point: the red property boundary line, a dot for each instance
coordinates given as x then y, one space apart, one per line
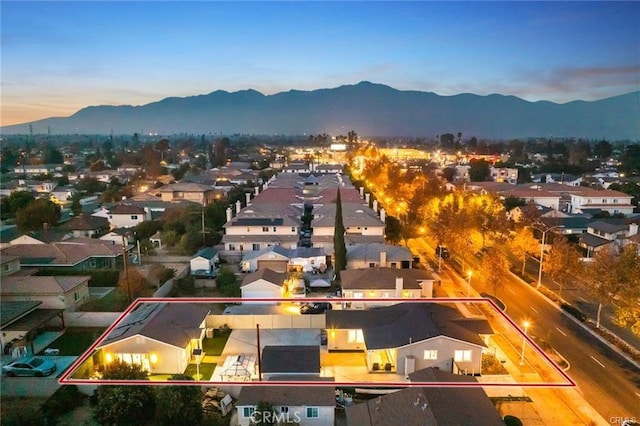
66 380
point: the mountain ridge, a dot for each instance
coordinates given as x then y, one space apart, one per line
371 109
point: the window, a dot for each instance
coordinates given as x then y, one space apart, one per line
284 409
255 246
232 247
293 229
358 294
134 217
312 413
355 336
76 296
462 356
248 411
394 265
372 265
431 354
275 229
265 229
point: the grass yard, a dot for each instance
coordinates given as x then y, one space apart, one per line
75 342
206 371
213 346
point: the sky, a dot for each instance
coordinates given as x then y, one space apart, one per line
60 56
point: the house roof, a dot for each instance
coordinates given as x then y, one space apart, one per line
86 222
590 240
609 227
61 253
295 359
288 396
353 215
185 187
403 324
126 209
266 274
8 258
11 311
372 252
41 285
207 253
171 323
427 405
382 278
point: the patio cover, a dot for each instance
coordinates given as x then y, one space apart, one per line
238 368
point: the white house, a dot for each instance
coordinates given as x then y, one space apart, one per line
125 216
407 337
264 284
284 259
205 260
535 196
606 200
378 255
305 405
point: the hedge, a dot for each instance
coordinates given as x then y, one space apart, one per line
99 277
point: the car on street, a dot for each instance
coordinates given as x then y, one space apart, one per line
33 366
442 252
315 308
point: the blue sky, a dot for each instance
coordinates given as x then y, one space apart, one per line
58 56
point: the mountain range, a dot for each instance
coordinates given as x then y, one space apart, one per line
367 108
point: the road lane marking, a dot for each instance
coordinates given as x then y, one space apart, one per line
601 364
534 309
561 332
638 394
583 299
511 291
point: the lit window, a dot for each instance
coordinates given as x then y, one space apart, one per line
431 354
462 356
312 413
355 336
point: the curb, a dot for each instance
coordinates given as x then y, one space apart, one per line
581 324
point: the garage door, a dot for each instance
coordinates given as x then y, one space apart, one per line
257 294
276 265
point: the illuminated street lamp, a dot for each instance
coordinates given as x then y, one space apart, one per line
469 273
524 341
544 236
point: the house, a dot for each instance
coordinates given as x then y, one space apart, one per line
282 259
201 194
428 405
265 283
305 405
607 200
504 174
407 337
372 283
362 224
205 262
535 196
378 255
601 234
92 254
86 225
290 362
58 292
125 216
160 337
9 265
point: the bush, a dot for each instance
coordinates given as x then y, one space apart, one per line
99 277
577 313
227 283
186 285
63 400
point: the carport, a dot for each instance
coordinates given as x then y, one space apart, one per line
29 324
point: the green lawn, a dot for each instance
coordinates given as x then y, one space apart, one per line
75 342
214 345
206 370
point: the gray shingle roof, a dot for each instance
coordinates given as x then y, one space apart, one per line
297 359
266 274
310 396
382 278
372 252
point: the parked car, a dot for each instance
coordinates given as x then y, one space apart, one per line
442 252
315 308
33 366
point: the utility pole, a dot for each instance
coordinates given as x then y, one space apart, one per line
259 358
126 271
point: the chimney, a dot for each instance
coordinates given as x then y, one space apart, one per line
248 197
229 214
633 229
383 215
367 197
238 206
256 190
375 206
361 191
399 287
383 259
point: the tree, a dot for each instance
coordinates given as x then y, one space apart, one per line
339 247
227 283
494 269
160 273
562 264
602 149
630 160
35 215
125 405
76 207
132 283
478 170
393 229
18 200
179 404
449 174
523 245
146 229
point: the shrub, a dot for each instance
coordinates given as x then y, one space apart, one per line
186 285
63 400
577 313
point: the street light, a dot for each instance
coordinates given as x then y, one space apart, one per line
469 273
544 236
524 341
